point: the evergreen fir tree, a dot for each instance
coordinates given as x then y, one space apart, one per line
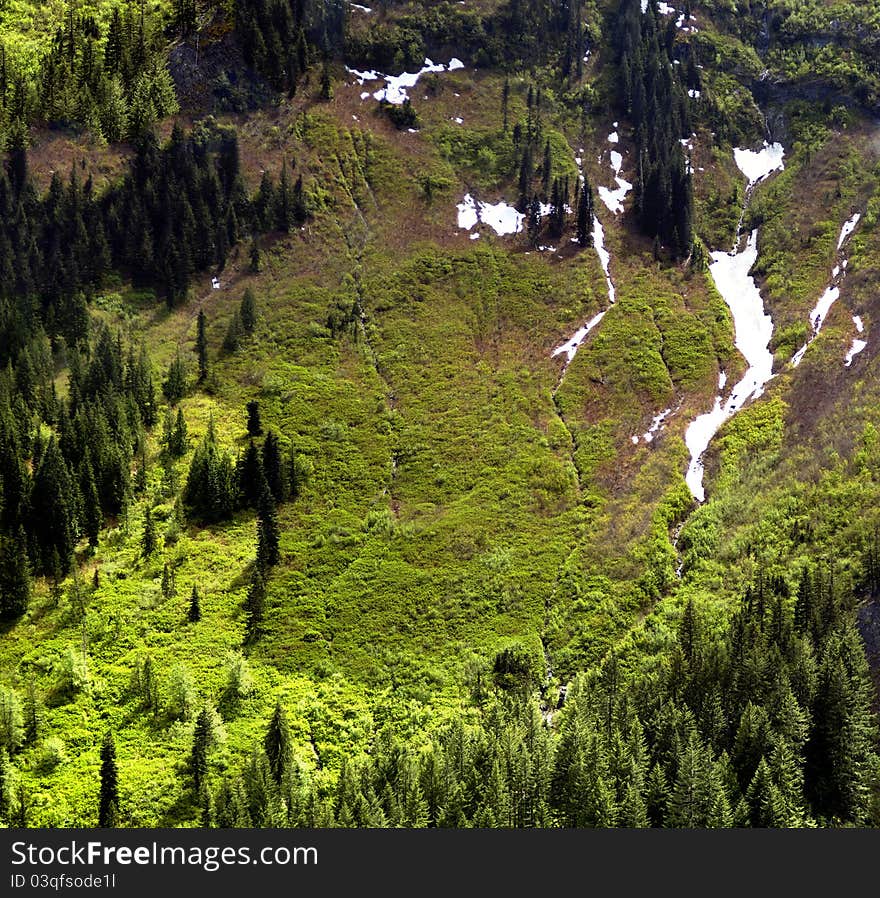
254 424
15 577
255 605
248 311
108 803
277 744
148 539
194 615
268 552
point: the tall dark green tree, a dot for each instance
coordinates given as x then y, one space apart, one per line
194 615
277 744
15 577
108 800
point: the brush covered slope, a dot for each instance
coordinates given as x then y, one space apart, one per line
439 414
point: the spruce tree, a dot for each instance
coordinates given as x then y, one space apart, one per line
268 535
194 615
15 577
148 539
201 745
248 311
255 605
254 424
273 468
277 744
108 802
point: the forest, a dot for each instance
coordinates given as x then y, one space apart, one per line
311 518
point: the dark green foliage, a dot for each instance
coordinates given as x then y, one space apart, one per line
232 340
255 605
402 115
148 537
268 534
250 476
248 311
202 740
108 801
585 213
15 577
652 93
53 501
273 469
254 424
277 745
194 614
513 669
174 385
210 491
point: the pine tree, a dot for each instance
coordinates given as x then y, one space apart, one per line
108 803
174 385
254 255
585 214
254 424
232 340
268 551
194 615
255 605
32 717
273 469
202 737
277 744
248 311
148 539
15 577
202 346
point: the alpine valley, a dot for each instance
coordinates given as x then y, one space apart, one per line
443 413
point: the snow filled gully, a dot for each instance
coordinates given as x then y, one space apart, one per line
752 325
830 296
571 346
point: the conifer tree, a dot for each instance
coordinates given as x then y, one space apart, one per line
277 744
108 802
202 737
148 539
248 311
585 214
273 468
268 552
194 615
15 577
255 605
254 424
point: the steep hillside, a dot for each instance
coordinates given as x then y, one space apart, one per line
568 344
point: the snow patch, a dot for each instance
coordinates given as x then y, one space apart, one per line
571 346
616 161
656 424
502 218
757 165
396 86
613 137
613 199
753 328
848 228
854 350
